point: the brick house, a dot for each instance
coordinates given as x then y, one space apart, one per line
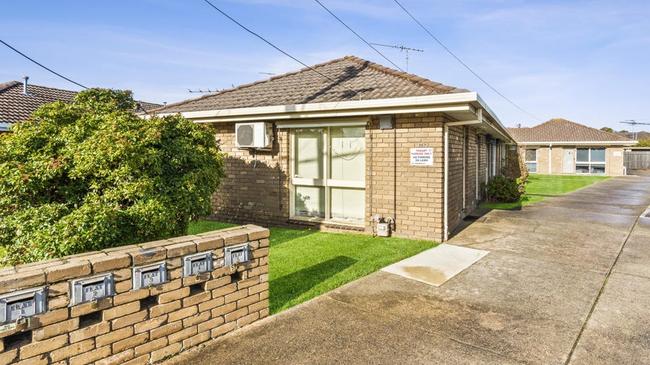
366 143
559 146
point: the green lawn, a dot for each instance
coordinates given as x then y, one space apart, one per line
542 186
306 263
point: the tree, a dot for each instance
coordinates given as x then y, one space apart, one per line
643 143
607 129
92 174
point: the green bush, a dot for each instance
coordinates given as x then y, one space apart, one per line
92 174
505 190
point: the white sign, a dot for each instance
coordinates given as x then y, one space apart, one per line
421 156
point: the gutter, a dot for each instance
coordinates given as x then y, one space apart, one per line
581 143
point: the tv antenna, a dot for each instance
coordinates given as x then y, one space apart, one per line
267 73
635 134
201 91
402 48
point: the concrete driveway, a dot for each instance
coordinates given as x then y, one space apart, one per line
567 281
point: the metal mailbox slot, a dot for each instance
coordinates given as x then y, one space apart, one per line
149 275
234 255
91 289
23 304
197 264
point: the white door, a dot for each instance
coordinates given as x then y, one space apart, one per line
569 162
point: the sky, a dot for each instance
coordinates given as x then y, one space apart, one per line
585 61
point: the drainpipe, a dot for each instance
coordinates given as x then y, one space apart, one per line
550 159
445 178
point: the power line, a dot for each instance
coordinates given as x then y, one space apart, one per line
358 35
273 45
463 63
41 65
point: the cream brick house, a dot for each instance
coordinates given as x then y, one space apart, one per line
560 146
364 143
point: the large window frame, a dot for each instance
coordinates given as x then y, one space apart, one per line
325 180
592 164
530 162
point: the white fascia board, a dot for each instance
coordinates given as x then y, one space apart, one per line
586 143
397 103
336 114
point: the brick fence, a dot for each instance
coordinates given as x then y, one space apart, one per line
134 304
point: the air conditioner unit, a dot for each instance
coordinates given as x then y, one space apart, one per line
257 135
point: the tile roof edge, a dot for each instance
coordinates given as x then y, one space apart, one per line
431 85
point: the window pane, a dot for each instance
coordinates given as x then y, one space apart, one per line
348 204
532 166
582 169
531 155
597 155
348 159
597 169
582 155
310 201
308 153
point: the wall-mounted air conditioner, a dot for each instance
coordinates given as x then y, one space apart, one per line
254 135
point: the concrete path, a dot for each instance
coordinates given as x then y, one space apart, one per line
567 281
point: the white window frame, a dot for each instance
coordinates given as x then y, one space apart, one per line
325 182
526 161
591 163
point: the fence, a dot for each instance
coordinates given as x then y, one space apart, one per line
134 304
637 160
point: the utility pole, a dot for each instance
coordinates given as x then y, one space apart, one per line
402 48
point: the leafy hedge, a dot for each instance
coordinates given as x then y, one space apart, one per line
92 174
505 190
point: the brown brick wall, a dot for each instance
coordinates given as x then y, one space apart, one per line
256 186
144 325
412 195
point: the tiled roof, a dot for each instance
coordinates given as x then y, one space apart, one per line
353 79
16 106
562 130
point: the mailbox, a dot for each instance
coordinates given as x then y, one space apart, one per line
22 304
149 275
234 255
197 264
91 289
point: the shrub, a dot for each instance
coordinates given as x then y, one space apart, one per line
504 189
92 174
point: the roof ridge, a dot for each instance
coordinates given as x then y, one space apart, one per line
7 85
585 126
432 85
243 86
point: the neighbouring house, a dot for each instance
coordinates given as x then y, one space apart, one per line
560 146
350 143
18 100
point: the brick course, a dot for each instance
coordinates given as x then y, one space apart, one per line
145 325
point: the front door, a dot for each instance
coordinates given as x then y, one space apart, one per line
569 162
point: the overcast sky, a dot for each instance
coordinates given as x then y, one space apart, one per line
586 61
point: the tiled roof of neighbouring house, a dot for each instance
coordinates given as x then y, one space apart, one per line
16 106
352 78
562 130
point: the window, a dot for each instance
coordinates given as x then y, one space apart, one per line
590 160
329 174
531 160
